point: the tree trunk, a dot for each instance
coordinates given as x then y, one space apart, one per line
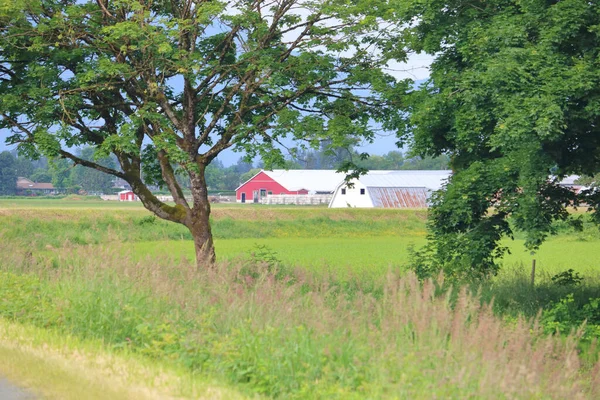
199 223
195 218
202 234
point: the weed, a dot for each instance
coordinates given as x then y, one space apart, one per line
147 220
567 278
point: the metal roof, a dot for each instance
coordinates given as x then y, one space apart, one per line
393 197
569 180
318 180
432 180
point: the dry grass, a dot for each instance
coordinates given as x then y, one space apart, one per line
244 213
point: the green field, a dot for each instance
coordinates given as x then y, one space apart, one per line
345 240
304 303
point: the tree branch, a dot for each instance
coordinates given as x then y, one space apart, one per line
170 179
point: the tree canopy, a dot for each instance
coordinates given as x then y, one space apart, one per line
8 174
162 84
91 180
514 100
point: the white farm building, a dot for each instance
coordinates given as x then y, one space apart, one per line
389 189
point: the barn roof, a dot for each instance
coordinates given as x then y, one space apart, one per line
432 180
569 180
396 197
318 180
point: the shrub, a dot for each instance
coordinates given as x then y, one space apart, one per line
567 278
566 316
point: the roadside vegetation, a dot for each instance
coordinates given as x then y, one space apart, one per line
260 325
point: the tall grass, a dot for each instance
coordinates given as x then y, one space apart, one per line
512 292
290 334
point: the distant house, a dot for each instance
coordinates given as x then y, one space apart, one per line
389 189
127 195
290 182
28 187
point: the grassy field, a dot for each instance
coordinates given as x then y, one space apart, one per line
305 303
311 237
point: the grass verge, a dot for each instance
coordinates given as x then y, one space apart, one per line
55 365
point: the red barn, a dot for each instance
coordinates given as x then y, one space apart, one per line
127 195
292 182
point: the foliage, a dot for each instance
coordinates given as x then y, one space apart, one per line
263 254
325 158
168 85
41 175
91 180
73 177
566 315
248 175
590 180
25 167
567 278
60 169
514 100
8 174
392 160
396 160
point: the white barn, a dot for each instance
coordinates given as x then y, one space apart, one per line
389 189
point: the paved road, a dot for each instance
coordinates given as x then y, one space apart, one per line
9 391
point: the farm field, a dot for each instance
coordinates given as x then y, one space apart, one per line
311 237
304 303
382 253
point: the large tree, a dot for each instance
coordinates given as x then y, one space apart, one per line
174 83
8 174
514 99
24 166
92 180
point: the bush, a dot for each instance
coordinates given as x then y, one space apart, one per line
566 316
567 278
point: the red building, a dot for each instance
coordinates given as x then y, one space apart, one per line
127 195
292 182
